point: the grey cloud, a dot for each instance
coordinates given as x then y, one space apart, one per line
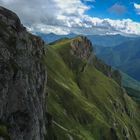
118 9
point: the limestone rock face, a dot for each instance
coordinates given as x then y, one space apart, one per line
81 47
22 80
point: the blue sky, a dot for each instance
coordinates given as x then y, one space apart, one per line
100 9
78 16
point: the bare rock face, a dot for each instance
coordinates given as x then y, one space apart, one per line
22 80
81 47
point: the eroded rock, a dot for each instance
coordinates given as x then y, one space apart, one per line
22 80
81 47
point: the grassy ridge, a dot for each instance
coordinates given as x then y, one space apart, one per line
86 104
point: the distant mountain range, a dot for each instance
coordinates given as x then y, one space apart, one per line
125 57
48 38
109 40
98 40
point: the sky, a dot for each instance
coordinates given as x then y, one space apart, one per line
78 16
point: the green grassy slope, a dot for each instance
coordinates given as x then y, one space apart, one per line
132 86
128 81
124 57
135 94
86 104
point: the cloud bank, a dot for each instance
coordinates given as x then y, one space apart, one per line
63 17
118 9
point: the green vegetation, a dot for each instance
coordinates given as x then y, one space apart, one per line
135 94
128 81
124 57
86 104
132 87
3 132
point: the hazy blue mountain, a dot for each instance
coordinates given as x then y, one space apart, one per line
53 37
128 81
132 86
108 40
97 40
125 56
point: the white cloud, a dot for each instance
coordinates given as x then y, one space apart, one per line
137 7
65 16
42 28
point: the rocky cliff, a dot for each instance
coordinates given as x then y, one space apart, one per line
22 81
82 48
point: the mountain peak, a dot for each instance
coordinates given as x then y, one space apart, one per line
81 47
22 81
9 18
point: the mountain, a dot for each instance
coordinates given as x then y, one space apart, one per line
97 40
59 91
53 37
85 97
125 57
22 81
109 40
128 81
135 94
132 86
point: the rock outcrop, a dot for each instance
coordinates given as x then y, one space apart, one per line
22 80
81 47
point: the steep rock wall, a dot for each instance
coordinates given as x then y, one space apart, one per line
22 80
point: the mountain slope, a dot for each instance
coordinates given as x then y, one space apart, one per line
85 101
109 40
124 57
132 86
128 81
134 93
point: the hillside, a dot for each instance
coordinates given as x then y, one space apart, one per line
118 51
85 98
124 57
134 93
109 40
132 86
128 81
